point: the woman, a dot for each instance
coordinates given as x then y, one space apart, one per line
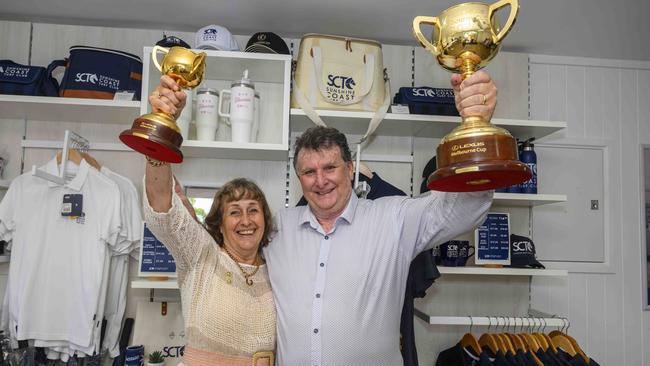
225 290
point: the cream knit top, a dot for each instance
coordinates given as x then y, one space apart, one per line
222 313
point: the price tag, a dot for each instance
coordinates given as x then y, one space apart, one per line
399 108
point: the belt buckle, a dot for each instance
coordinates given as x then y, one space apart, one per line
262 355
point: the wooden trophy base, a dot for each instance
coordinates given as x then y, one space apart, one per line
477 158
156 136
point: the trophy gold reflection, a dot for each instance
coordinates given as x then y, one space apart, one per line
476 155
156 134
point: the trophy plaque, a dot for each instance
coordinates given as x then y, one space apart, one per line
156 134
476 155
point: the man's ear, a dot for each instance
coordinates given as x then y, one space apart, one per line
350 167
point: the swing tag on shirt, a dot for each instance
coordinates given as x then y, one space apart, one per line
72 206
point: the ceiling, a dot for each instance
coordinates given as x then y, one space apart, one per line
583 28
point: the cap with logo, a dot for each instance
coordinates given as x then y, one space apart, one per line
267 42
172 41
522 253
215 37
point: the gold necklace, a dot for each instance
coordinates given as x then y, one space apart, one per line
246 275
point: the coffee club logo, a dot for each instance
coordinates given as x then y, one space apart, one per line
340 88
99 80
210 34
12 71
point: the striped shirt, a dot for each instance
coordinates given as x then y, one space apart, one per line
339 295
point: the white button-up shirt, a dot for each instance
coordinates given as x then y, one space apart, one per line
339 295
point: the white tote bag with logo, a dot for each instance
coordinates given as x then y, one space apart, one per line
159 326
340 73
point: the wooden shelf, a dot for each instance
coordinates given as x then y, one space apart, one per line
416 124
482 271
191 148
68 109
527 200
170 284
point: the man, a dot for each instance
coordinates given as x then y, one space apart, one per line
339 266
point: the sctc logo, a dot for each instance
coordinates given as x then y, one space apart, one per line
173 351
522 246
86 78
210 31
423 92
341 82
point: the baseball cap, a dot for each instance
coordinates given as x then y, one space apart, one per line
426 172
522 253
267 42
215 37
172 41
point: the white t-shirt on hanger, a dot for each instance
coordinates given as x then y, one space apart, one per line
55 275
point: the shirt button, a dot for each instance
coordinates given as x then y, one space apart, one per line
316 330
322 264
318 296
327 237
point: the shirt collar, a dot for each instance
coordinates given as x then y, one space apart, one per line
307 216
76 183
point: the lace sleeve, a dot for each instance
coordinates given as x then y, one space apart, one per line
183 236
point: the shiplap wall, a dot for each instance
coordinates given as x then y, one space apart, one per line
463 295
602 100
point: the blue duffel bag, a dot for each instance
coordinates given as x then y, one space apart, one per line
93 72
427 100
20 79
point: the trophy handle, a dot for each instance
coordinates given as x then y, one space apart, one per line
514 10
198 62
154 55
433 21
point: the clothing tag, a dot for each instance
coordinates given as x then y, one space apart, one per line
72 205
399 108
124 95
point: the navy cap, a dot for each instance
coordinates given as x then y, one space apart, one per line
172 41
426 172
267 42
522 253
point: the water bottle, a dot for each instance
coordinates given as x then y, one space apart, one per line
529 158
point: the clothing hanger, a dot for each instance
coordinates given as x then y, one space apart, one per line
532 343
546 336
514 338
469 341
90 160
73 155
506 340
560 341
488 340
539 338
574 343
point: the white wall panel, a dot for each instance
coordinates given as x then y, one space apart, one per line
14 42
604 100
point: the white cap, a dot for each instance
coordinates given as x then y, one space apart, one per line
215 37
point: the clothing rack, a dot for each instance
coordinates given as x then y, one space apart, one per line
498 321
71 140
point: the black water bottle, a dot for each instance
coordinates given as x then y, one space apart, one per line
528 157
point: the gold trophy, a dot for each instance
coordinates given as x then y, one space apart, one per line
476 155
156 134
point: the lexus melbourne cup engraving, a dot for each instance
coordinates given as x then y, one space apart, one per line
156 134
476 155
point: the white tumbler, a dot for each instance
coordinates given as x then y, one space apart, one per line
256 118
184 119
207 119
242 108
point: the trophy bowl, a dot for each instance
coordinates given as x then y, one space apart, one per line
156 134
476 155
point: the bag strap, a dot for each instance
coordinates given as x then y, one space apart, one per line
369 62
376 119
